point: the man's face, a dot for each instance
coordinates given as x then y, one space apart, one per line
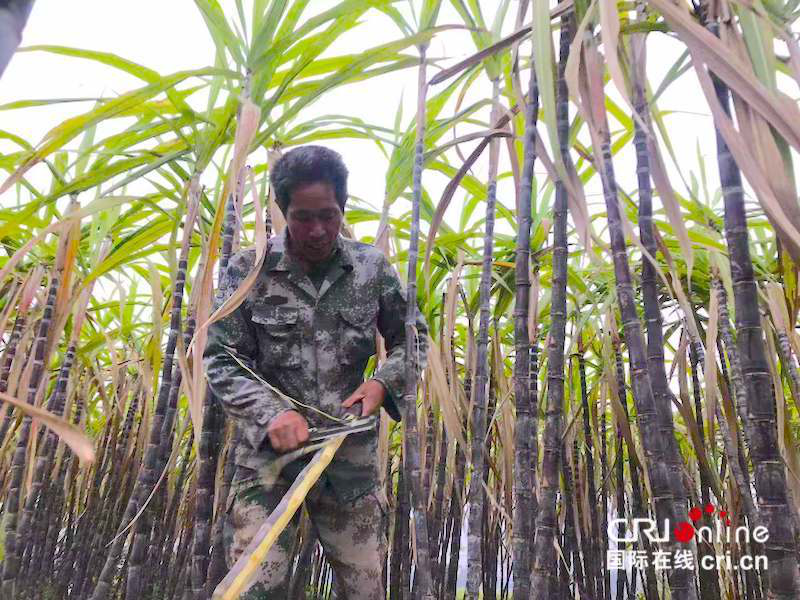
314 220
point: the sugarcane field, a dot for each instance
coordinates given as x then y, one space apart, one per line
399 299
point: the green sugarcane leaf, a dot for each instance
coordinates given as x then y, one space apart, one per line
220 30
545 75
106 58
760 45
347 74
141 240
265 28
399 20
429 14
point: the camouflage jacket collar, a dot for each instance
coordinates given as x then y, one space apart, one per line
280 260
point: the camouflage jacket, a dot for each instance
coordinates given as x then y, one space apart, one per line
313 346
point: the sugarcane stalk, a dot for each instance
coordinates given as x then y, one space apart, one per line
46 449
652 308
242 573
456 516
411 458
150 464
654 442
437 511
533 398
5 371
592 553
20 323
544 555
637 504
755 383
14 497
709 586
622 576
154 459
525 426
488 541
656 365
476 496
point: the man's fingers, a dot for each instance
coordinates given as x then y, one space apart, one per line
302 433
282 440
293 437
354 397
288 441
369 406
288 431
275 441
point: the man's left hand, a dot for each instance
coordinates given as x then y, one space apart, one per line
371 394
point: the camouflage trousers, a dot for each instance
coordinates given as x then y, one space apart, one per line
352 534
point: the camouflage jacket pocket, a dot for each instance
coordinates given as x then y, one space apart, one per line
278 335
357 333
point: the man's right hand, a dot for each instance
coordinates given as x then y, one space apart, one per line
287 431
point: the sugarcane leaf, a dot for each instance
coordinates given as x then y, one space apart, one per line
107 58
220 30
778 110
71 435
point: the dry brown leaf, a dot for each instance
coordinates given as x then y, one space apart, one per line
747 162
705 48
666 193
710 367
233 302
758 137
448 403
71 435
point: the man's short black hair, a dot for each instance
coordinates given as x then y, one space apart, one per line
308 164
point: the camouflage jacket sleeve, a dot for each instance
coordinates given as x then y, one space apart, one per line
231 358
391 324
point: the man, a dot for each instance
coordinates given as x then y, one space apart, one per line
307 328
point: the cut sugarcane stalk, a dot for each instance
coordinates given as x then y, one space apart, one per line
246 567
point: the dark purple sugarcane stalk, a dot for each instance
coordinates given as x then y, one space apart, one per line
49 441
116 491
400 539
44 456
13 545
622 576
593 553
411 458
437 511
478 452
533 397
637 503
525 430
760 418
151 465
654 442
209 443
154 460
543 584
656 364
20 322
456 517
